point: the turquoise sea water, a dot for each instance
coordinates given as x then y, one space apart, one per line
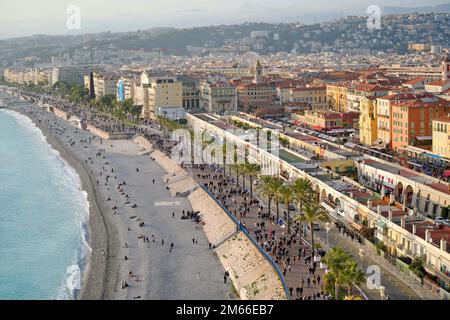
43 214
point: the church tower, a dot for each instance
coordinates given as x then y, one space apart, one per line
446 67
258 73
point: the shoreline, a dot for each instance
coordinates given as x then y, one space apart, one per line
117 248
96 268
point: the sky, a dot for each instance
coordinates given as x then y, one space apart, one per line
28 17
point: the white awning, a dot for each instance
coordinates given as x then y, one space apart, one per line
414 149
422 138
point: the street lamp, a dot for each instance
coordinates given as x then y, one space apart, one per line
328 228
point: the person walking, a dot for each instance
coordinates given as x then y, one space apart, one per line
171 247
225 276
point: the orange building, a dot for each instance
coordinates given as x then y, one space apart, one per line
412 120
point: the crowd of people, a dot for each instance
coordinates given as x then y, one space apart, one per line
299 264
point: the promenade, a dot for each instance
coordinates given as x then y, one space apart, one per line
142 220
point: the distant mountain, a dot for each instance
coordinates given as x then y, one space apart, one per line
442 8
340 34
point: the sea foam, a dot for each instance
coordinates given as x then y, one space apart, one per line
67 179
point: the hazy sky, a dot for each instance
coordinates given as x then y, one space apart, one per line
28 17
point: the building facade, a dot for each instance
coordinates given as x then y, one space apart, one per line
163 95
316 97
368 130
70 74
218 97
441 137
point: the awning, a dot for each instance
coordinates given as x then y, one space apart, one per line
333 139
423 138
414 150
431 155
382 224
337 131
318 128
350 145
356 226
379 143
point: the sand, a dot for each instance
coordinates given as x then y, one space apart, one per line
160 274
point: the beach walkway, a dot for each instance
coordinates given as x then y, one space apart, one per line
144 219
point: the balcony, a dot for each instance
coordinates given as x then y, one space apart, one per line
435 272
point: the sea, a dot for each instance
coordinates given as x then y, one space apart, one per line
43 216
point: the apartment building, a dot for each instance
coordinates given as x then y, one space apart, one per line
321 120
438 86
441 136
103 84
412 120
337 96
357 93
163 95
429 72
218 97
70 74
283 90
315 96
368 130
191 92
35 76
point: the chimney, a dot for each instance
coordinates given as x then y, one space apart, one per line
403 222
378 209
369 204
443 245
414 230
391 198
427 235
390 214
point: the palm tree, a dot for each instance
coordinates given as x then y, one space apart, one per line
224 155
287 195
252 170
312 213
302 190
336 259
267 189
242 169
351 275
277 194
236 167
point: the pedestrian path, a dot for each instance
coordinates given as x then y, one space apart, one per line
287 250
